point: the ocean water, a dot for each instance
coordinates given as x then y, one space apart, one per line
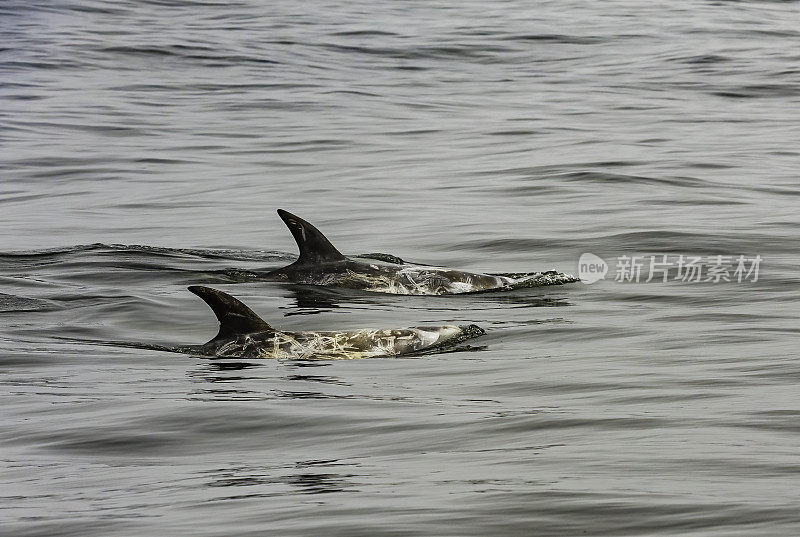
145 146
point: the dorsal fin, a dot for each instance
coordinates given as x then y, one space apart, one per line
234 317
314 246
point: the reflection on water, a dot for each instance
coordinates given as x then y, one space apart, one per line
269 385
227 365
310 300
318 378
262 481
291 364
315 483
231 394
298 394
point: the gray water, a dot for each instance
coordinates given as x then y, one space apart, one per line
500 136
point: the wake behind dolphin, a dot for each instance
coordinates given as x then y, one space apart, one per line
320 263
243 334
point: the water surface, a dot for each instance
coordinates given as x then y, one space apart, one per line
499 137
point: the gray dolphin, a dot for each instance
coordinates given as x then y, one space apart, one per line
243 334
320 263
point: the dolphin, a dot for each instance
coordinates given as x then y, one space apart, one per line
243 334
320 263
